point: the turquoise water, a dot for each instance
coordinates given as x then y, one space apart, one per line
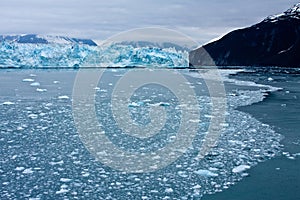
278 178
45 158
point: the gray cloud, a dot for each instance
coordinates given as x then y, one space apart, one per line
98 19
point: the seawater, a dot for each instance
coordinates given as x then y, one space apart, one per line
44 158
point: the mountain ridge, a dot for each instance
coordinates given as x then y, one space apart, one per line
45 39
275 41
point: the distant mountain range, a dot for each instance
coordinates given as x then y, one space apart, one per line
162 45
40 39
37 39
273 42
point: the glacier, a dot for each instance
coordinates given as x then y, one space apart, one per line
76 55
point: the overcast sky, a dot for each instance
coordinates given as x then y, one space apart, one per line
203 20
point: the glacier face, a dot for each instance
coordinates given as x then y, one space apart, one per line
56 55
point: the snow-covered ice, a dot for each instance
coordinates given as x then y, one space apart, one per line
206 173
63 97
41 90
35 84
8 103
240 168
28 80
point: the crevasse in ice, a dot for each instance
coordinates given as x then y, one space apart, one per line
16 55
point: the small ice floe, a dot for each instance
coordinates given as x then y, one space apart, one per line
62 191
56 82
118 183
63 97
28 80
56 163
20 168
169 190
103 90
7 103
245 174
206 173
65 180
27 171
270 79
20 128
289 156
135 104
41 90
183 174
33 116
35 84
196 187
32 75
162 104
195 120
296 154
240 168
85 174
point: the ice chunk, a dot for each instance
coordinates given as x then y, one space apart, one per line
8 103
196 187
63 97
61 191
27 171
65 180
164 104
28 80
33 116
240 168
206 173
35 84
169 190
41 90
20 168
296 154
20 128
136 104
85 174
57 163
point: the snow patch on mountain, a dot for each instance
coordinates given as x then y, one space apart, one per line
44 39
293 12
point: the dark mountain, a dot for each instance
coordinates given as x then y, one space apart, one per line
37 39
273 42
